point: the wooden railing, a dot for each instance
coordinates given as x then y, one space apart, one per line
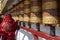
40 34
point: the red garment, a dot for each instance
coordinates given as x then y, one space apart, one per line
8 26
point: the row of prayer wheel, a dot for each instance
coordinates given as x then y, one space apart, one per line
38 11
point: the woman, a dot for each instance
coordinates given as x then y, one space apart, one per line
8 26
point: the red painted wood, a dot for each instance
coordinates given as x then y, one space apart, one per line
36 34
35 37
56 38
40 34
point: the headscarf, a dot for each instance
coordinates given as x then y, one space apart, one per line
8 18
7 22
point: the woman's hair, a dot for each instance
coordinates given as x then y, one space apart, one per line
8 14
8 18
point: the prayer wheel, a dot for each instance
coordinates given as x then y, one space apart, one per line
26 10
14 16
35 11
49 8
13 11
21 12
50 18
17 10
27 6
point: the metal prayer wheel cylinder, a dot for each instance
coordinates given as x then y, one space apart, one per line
18 9
49 8
21 12
26 10
36 14
26 18
17 12
15 18
20 17
21 8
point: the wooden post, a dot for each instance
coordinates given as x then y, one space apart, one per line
38 26
29 24
52 30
